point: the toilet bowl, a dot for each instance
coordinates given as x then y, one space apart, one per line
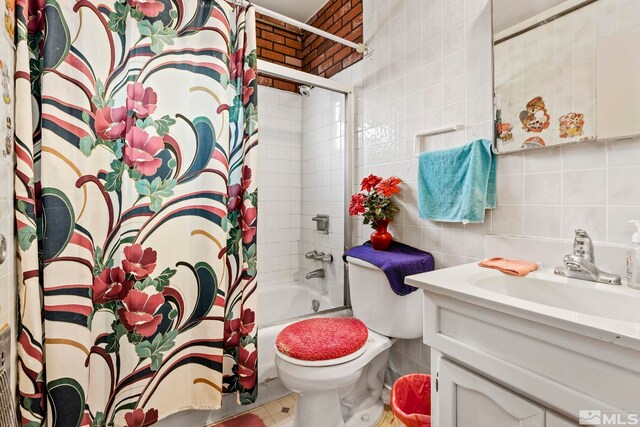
347 391
332 391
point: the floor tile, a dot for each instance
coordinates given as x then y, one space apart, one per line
274 408
280 413
288 401
261 412
282 418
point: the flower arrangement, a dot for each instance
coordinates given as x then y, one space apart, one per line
374 202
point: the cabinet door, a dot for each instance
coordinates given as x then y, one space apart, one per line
468 400
554 420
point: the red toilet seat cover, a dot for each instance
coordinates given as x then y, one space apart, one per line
322 338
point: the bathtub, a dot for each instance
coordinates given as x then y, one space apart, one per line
278 306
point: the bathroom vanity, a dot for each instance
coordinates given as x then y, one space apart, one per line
528 351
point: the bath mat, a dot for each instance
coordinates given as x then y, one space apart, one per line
244 420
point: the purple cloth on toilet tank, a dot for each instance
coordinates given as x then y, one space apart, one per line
397 263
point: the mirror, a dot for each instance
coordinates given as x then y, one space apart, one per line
565 71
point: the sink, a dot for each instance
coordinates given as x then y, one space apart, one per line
564 344
605 312
580 296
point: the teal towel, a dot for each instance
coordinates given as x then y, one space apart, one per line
458 184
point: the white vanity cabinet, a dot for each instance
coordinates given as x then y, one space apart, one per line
469 400
527 352
554 420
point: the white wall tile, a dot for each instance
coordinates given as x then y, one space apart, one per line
542 221
591 218
544 193
542 161
622 185
542 188
508 219
280 157
510 190
584 187
623 153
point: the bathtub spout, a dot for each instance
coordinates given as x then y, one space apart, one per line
316 274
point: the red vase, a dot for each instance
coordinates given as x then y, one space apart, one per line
381 238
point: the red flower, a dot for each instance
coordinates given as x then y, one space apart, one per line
231 333
356 207
247 368
249 216
236 64
248 321
111 123
235 197
247 89
138 418
150 8
140 149
110 285
36 15
139 312
245 180
388 187
140 100
139 262
370 182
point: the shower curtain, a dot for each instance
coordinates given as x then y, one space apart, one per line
136 204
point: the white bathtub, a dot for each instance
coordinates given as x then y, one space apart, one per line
276 305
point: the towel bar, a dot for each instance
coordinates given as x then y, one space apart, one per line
446 129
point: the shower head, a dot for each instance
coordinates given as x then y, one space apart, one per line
305 90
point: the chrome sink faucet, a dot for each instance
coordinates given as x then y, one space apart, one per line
582 263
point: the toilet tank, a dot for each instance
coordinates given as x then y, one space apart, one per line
382 310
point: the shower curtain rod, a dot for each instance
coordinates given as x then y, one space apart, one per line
360 47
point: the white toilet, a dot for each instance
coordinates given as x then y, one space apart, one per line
347 391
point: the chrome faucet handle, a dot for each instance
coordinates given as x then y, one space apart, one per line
581 263
583 245
319 255
311 255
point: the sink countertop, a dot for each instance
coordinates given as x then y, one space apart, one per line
605 312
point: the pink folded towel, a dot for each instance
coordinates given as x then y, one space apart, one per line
514 267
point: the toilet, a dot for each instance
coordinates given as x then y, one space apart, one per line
347 390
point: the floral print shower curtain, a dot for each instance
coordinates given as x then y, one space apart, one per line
136 204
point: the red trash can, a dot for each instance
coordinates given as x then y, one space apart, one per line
411 400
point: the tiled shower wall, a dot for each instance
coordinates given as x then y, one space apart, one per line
323 145
431 66
301 175
280 186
